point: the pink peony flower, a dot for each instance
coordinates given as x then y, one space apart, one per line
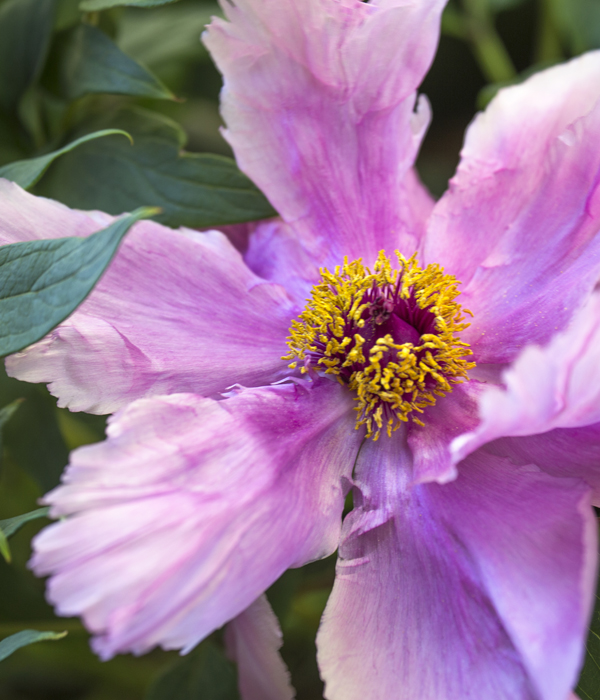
467 566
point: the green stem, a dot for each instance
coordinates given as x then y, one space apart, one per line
493 58
548 47
490 52
454 24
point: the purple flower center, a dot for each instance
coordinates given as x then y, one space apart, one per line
389 335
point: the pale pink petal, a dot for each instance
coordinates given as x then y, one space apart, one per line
475 589
192 508
319 99
556 386
519 223
253 640
25 217
175 311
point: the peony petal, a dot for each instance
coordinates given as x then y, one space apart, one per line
519 223
557 386
319 102
564 452
239 234
473 589
192 508
253 640
444 421
279 253
176 311
25 217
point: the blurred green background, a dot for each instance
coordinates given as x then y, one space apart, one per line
53 89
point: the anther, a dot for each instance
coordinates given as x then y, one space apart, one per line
390 335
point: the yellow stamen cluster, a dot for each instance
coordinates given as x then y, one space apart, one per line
391 379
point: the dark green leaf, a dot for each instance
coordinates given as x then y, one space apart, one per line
9 526
93 63
204 674
22 639
27 172
193 190
43 281
91 5
589 681
25 30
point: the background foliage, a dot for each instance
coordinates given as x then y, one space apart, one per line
76 78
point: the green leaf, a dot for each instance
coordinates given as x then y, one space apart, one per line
22 639
589 681
93 63
9 526
27 172
25 30
193 190
92 5
204 674
43 281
